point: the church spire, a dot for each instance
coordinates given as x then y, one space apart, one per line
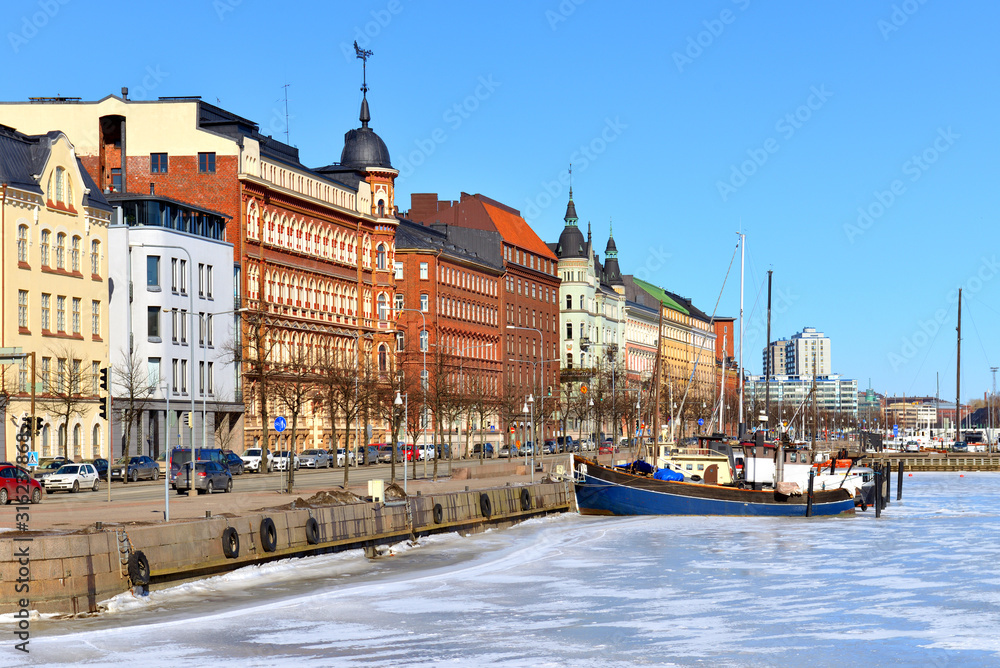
571 217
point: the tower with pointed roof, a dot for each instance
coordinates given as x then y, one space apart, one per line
612 273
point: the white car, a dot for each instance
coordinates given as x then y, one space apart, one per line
316 459
341 454
280 461
426 452
73 478
251 460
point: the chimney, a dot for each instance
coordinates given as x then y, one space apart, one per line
124 92
152 188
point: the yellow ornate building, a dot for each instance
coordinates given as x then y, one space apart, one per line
54 294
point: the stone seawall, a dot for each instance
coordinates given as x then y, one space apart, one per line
73 573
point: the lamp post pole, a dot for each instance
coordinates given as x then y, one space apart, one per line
166 458
534 440
524 432
190 289
423 386
405 401
541 345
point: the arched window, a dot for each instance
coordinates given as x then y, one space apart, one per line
383 358
60 251
77 440
46 442
569 302
423 341
22 243
569 360
95 257
380 257
74 254
59 184
381 208
45 248
581 302
383 307
62 439
95 441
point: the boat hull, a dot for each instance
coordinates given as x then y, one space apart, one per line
604 491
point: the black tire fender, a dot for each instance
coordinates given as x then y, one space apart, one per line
231 543
268 535
438 513
525 499
312 531
485 505
138 568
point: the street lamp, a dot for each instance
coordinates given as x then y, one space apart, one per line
593 431
534 444
525 431
405 402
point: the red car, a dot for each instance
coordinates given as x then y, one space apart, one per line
17 485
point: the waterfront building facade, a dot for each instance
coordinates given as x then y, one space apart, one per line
836 399
313 249
55 295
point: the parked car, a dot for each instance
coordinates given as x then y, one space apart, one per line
528 449
342 453
17 485
281 458
135 468
607 448
101 465
426 451
912 446
409 451
47 467
508 451
443 450
550 447
485 448
209 477
368 455
73 478
235 463
960 446
316 458
385 453
251 460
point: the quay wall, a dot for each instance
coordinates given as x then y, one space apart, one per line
933 461
72 573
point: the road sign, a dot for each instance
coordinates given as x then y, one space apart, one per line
583 389
701 422
33 459
280 424
895 430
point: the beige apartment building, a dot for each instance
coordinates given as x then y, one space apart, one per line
54 295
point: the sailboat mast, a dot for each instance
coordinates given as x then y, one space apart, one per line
958 374
659 367
767 353
722 389
741 428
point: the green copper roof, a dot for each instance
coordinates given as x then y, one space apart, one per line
661 294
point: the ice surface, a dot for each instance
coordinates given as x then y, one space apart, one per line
917 587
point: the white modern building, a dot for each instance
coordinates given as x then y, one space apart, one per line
806 353
169 261
834 395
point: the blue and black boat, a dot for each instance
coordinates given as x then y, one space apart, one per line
603 490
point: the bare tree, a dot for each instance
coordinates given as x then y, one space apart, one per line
66 392
338 387
293 390
256 351
131 380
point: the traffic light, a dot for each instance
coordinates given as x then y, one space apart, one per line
26 423
105 409
104 379
190 419
38 426
549 391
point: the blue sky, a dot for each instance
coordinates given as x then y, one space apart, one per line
684 121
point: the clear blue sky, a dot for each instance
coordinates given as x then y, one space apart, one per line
670 98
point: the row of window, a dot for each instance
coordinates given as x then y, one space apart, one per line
46 304
77 445
539 292
179 276
58 252
159 163
517 256
179 326
317 239
59 189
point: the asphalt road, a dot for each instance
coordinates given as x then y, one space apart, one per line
147 490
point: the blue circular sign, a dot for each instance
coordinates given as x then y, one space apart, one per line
280 424
701 422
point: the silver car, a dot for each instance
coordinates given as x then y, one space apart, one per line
73 478
316 458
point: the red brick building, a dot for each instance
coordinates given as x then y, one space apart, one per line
529 294
448 303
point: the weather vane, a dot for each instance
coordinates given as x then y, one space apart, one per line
364 55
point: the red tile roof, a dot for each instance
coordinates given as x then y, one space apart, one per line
516 231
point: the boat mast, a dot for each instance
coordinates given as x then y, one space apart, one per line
767 355
958 373
656 400
741 428
722 389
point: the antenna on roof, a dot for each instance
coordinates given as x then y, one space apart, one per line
286 112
